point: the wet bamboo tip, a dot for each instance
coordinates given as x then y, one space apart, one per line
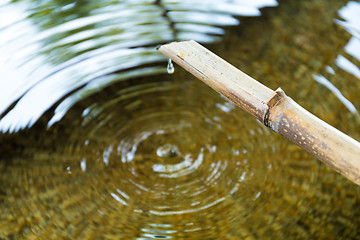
273 108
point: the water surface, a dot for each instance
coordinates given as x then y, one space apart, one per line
164 156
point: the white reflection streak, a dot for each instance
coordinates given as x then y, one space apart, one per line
257 195
193 229
117 198
188 210
106 155
242 177
330 70
128 156
83 164
351 14
13 83
234 189
322 80
139 185
348 66
122 193
226 107
160 225
158 231
353 47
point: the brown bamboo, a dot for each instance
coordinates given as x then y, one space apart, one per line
273 108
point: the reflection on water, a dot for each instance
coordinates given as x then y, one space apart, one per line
165 157
66 50
351 15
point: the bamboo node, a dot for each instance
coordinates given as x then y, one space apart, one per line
273 101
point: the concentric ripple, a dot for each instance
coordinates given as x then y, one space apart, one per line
158 160
175 147
161 159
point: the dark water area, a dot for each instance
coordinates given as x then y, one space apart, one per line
116 148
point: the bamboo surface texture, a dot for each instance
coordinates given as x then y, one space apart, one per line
273 108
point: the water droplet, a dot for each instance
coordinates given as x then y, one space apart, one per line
83 165
170 67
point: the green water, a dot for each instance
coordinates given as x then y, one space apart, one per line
165 157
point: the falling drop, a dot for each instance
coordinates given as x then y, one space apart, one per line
170 67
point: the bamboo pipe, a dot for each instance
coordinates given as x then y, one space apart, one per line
273 108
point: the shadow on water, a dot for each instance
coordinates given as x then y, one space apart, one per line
119 149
